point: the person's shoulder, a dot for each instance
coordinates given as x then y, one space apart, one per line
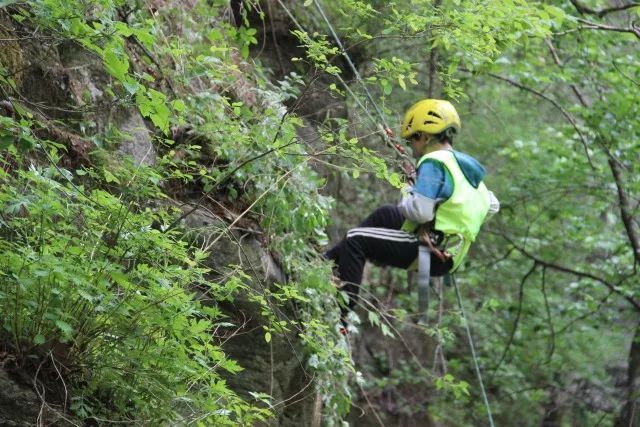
471 167
430 166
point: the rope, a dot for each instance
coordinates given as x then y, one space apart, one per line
388 133
385 132
351 65
473 352
346 86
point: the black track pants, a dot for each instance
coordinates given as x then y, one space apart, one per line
378 239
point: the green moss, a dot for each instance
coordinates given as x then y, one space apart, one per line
11 59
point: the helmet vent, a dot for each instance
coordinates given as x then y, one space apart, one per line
430 122
434 114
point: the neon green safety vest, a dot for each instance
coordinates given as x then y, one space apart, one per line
463 213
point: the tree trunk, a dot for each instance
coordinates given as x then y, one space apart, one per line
630 414
552 411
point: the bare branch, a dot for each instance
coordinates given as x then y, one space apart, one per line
590 25
607 10
552 333
585 315
613 288
555 103
625 211
623 198
602 12
560 64
433 60
517 321
623 74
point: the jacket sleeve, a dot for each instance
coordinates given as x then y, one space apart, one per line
432 186
417 208
494 205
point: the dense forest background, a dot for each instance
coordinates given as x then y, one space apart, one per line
171 172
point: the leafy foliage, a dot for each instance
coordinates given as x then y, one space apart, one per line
87 280
123 297
99 280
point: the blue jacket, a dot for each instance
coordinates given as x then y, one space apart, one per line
434 185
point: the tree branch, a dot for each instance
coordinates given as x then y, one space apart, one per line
625 211
552 333
433 60
225 178
590 25
611 9
571 271
555 103
560 64
585 315
517 321
623 198
623 74
582 9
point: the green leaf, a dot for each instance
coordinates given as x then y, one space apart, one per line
131 86
6 141
66 328
145 37
109 177
179 105
267 336
374 319
115 62
385 330
401 83
122 28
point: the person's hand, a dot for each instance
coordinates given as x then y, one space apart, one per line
409 171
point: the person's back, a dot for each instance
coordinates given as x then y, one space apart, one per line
463 200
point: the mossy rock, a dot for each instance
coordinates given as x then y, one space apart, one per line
11 59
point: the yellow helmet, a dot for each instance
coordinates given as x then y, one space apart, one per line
431 116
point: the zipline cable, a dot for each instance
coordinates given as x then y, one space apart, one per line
473 351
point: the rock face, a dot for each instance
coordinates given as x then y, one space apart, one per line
137 141
69 83
19 406
275 367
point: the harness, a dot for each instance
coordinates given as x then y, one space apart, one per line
426 248
458 217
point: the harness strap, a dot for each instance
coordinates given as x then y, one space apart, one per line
424 275
432 248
